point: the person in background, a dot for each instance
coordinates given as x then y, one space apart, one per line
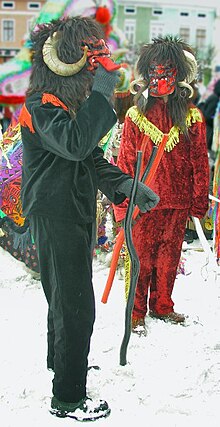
68 110
163 107
208 108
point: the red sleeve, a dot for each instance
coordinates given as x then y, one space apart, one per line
126 161
200 165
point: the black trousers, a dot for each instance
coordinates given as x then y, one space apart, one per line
65 257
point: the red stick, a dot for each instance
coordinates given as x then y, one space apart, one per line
120 237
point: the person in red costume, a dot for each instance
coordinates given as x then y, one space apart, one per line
162 106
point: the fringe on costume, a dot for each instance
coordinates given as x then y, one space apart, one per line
155 134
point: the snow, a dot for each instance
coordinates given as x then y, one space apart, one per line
171 378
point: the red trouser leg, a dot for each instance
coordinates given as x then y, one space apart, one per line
141 295
143 239
158 238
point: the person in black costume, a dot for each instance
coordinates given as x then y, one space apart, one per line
208 108
68 110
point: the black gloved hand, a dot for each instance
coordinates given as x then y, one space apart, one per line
145 198
105 81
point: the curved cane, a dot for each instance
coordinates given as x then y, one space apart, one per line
120 238
135 263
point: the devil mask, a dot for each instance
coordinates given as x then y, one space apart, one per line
165 65
162 79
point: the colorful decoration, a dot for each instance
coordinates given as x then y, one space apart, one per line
10 176
215 205
15 235
103 15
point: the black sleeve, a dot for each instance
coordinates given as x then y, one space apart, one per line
209 107
73 139
109 177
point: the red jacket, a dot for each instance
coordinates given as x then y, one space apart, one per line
182 177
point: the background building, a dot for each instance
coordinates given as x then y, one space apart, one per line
198 23
15 20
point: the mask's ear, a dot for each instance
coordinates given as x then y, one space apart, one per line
190 58
137 82
191 61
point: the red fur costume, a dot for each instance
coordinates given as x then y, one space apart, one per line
181 181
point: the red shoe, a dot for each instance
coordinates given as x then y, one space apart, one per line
171 317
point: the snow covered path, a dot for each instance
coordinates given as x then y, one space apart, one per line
172 377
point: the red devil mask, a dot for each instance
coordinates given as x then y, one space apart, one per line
162 79
96 49
99 53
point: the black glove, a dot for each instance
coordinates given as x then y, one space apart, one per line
145 198
105 81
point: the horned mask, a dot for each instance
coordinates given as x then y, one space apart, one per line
93 48
51 59
162 78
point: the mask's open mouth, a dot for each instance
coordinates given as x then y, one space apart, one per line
162 80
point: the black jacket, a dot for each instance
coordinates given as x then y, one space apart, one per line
208 108
62 165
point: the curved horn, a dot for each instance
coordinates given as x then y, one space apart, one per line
191 61
53 62
139 82
190 58
187 85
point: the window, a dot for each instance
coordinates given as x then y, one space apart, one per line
184 33
129 30
29 25
8 30
201 15
157 12
130 10
34 6
200 37
8 4
184 14
156 29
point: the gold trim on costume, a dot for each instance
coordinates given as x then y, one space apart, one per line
155 134
127 267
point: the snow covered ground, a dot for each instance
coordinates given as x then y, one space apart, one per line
172 376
